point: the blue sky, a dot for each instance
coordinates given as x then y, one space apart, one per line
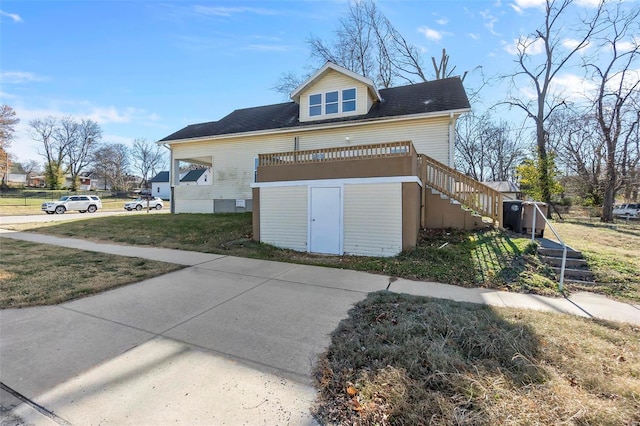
144 69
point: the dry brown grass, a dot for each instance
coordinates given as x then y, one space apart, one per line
38 274
612 252
403 360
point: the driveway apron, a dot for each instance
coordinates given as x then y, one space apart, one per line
195 346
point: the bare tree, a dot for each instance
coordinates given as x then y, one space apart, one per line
8 121
539 75
147 158
616 103
367 43
67 146
111 163
574 137
76 139
43 130
30 168
485 150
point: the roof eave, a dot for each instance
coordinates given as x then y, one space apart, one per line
295 95
283 130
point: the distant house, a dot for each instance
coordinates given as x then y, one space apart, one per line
196 177
37 181
160 185
84 182
17 179
509 190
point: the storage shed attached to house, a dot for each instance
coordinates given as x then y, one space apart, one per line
356 200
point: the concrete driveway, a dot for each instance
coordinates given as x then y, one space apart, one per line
227 341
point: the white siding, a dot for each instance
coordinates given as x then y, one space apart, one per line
161 189
193 199
429 136
373 219
233 159
330 82
284 217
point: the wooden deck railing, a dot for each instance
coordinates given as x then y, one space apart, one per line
382 150
457 186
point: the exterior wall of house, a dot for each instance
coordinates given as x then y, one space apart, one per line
233 163
193 199
380 217
161 189
373 219
331 82
284 216
429 136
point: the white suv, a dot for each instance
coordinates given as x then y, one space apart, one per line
628 211
82 203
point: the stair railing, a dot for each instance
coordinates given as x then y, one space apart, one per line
460 187
564 246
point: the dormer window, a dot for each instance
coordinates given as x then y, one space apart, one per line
331 106
315 105
348 100
336 102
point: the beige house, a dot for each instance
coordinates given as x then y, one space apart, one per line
365 162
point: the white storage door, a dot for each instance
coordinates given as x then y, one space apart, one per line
325 220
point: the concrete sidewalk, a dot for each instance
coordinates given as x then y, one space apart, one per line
226 340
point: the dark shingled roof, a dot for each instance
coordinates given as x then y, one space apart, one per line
193 175
161 177
431 96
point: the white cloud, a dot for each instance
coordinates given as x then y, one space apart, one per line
527 4
110 118
14 16
228 11
628 46
442 21
523 44
430 34
570 43
489 21
588 3
18 77
474 36
267 47
572 87
516 8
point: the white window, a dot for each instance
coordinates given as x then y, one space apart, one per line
336 102
349 100
315 105
331 103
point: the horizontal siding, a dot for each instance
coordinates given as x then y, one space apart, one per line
233 161
193 199
193 206
429 136
284 217
330 82
373 219
233 158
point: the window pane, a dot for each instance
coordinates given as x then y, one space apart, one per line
315 110
315 99
331 109
331 97
349 94
348 106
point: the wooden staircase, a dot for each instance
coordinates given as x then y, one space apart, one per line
474 200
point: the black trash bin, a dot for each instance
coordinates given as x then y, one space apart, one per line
512 215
